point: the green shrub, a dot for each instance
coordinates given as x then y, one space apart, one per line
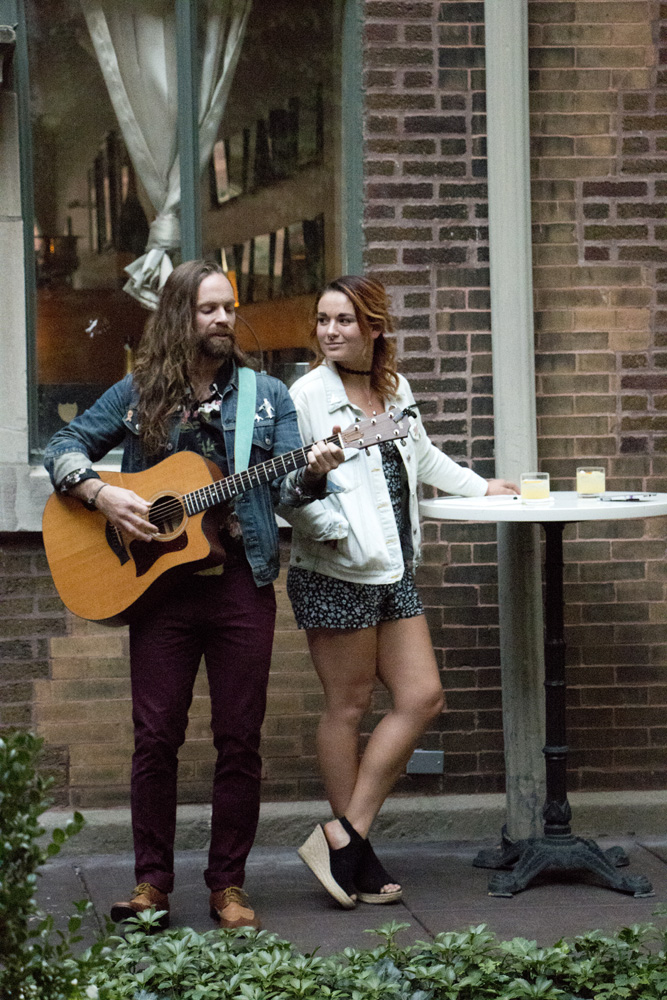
473 965
35 960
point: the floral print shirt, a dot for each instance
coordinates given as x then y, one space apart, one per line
200 430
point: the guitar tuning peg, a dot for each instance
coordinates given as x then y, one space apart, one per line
402 442
367 450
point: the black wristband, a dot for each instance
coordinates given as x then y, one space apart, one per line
75 477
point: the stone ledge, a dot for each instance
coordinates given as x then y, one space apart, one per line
410 818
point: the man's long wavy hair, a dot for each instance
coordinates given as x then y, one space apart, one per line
371 308
167 352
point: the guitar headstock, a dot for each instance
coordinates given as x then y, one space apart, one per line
390 426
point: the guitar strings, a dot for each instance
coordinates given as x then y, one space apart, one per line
214 493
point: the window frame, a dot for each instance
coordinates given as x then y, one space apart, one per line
350 18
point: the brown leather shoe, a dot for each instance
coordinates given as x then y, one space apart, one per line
229 907
144 897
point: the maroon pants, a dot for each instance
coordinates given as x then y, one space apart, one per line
230 622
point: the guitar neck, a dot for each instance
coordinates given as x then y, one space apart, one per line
224 490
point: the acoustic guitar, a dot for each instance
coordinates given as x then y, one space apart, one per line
105 576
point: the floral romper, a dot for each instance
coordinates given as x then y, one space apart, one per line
320 601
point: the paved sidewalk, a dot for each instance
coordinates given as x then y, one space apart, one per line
442 892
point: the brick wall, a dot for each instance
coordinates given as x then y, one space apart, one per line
598 141
30 614
68 680
598 90
427 239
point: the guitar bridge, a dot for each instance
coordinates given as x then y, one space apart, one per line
116 543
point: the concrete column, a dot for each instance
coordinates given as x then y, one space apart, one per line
519 578
13 354
23 488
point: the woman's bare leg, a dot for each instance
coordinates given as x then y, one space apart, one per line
345 661
404 661
407 667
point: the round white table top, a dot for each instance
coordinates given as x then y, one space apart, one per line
563 506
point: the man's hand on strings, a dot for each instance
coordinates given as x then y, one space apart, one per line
123 508
126 510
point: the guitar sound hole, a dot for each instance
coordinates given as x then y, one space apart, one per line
167 514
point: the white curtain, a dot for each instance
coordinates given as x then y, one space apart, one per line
135 44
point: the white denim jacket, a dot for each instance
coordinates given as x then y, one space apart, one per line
360 516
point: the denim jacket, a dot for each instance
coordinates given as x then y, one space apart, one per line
111 421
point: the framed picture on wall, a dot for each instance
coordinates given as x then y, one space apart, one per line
273 148
261 266
285 263
311 127
227 169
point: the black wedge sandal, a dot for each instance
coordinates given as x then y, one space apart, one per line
335 869
371 874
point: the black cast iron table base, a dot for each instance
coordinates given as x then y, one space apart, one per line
565 853
558 849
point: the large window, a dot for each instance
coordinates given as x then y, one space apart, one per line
270 191
272 196
84 196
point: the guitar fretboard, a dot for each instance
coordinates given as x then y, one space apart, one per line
232 486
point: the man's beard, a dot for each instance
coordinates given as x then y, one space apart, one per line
221 348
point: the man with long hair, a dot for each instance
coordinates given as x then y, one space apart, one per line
183 395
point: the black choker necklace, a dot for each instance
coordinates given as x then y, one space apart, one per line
353 371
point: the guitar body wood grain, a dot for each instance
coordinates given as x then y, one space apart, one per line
93 582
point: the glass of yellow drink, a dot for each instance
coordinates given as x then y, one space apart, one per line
590 481
535 487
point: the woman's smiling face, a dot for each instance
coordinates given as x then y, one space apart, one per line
339 334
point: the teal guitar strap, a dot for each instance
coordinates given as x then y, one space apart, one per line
245 418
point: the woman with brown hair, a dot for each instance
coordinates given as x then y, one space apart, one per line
352 586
